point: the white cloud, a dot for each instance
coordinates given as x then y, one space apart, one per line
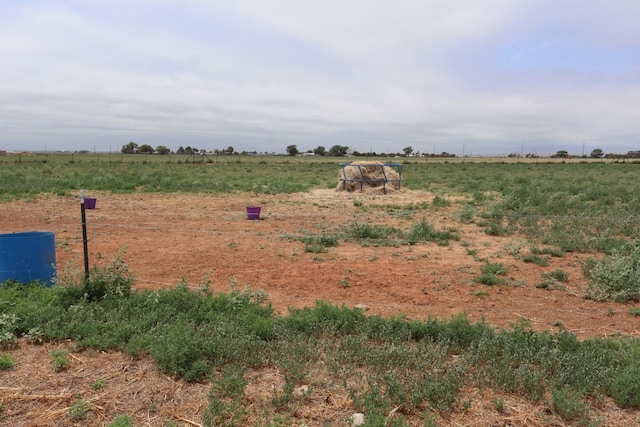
364 73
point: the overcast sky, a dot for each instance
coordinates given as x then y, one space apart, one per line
474 77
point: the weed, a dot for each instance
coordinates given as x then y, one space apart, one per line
441 202
226 398
481 293
318 244
634 311
8 324
493 268
79 409
97 384
424 231
466 213
625 387
536 259
6 362
121 420
35 336
60 359
344 283
569 406
616 276
488 279
559 275
498 404
113 280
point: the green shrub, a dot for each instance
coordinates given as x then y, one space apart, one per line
569 406
493 268
114 279
536 259
79 409
558 275
424 231
625 388
6 362
616 276
121 420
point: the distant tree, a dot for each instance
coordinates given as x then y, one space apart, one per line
146 149
561 154
407 150
180 150
130 148
230 150
320 151
338 150
162 150
292 150
597 153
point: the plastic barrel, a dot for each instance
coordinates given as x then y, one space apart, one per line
28 256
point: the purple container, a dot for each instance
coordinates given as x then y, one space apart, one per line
90 202
253 212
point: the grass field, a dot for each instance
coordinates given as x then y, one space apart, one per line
333 361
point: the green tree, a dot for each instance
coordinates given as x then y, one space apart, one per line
338 150
230 150
146 149
597 153
407 150
162 150
292 150
130 148
320 151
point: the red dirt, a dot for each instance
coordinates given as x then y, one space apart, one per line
171 237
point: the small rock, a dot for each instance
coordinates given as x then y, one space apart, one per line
362 307
301 391
357 419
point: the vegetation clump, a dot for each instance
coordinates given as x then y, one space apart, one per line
616 276
419 366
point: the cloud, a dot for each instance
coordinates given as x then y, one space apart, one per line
369 74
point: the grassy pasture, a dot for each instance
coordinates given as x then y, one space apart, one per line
573 205
397 372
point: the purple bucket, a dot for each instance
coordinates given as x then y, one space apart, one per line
253 212
90 202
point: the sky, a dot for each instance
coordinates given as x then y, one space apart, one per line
468 77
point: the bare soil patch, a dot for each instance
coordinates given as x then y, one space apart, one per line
174 237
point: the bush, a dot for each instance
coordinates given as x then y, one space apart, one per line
616 276
114 279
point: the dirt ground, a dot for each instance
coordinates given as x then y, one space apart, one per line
172 237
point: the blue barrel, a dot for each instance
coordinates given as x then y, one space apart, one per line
28 256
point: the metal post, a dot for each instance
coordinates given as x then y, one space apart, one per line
84 236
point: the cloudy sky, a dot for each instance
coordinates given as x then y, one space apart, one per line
474 77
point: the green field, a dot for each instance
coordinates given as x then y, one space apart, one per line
577 205
397 372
